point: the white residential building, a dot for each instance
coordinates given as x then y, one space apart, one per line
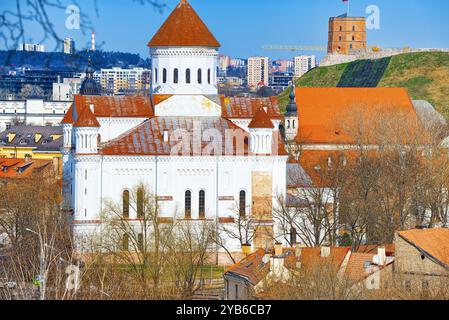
117 81
258 71
303 64
67 89
35 112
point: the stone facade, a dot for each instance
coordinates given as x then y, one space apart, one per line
346 33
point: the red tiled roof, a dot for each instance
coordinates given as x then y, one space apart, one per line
310 257
261 120
86 119
246 108
333 115
20 168
433 242
148 138
183 28
356 269
251 267
114 107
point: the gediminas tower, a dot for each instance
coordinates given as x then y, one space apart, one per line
346 34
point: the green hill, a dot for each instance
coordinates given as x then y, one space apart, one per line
425 75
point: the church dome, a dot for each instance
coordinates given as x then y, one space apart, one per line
292 108
184 28
90 87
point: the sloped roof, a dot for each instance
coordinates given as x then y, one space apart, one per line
311 257
25 136
148 138
86 119
183 28
115 107
251 268
431 242
21 168
246 108
336 115
261 120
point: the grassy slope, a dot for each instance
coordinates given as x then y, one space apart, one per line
425 75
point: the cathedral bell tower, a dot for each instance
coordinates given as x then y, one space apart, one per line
184 55
291 119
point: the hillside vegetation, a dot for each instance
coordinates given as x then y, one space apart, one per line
425 75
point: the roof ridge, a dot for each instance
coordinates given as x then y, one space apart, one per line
261 120
86 119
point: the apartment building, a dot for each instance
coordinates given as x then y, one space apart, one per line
258 71
303 64
118 81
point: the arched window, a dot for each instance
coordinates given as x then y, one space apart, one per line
155 75
200 76
164 75
202 205
339 38
125 242
175 76
208 76
288 124
353 38
294 124
126 204
187 75
242 204
98 139
353 28
341 28
188 204
140 214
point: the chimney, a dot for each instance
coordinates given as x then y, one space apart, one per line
246 249
382 256
325 251
165 135
278 249
266 257
277 266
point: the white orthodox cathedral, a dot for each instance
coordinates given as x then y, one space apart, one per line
201 154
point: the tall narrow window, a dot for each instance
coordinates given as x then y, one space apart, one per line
202 204
353 28
341 28
155 75
140 203
208 76
126 204
175 76
125 242
188 204
188 76
242 204
200 76
164 75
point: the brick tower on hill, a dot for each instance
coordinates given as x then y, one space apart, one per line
346 34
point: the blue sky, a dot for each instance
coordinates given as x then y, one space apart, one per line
244 26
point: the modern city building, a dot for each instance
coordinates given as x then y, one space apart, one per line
31 47
65 90
118 81
69 46
303 64
258 71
